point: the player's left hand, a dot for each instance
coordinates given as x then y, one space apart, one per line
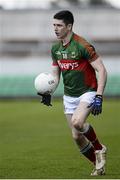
46 99
96 105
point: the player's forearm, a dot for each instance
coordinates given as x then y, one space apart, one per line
56 73
102 78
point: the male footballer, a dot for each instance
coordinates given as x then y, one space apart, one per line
78 62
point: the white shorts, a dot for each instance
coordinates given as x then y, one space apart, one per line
71 103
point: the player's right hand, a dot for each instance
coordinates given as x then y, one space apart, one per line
46 99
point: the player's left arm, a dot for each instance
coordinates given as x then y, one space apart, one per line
102 75
94 59
96 105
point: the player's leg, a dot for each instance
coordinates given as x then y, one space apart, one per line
80 116
84 145
100 150
90 134
87 129
79 122
80 113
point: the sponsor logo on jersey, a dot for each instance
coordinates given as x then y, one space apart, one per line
62 54
68 65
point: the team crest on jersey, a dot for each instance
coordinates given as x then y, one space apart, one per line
62 54
66 55
58 53
73 55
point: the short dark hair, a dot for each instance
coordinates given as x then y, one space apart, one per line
66 16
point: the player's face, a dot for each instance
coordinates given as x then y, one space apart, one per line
61 29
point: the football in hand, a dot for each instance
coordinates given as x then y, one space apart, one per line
45 83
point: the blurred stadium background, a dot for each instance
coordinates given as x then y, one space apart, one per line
26 36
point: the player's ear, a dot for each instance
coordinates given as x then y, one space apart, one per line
69 26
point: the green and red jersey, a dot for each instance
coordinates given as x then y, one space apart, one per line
74 61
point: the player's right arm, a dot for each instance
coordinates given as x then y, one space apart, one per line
56 73
46 98
55 67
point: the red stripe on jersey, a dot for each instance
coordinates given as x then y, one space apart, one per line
55 64
69 60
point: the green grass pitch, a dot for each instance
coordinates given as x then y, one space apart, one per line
36 143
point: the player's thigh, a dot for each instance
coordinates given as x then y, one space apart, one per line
80 114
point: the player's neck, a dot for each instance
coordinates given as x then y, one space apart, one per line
67 39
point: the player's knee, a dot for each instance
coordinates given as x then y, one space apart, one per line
85 128
77 123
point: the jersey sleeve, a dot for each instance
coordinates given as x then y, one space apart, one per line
89 53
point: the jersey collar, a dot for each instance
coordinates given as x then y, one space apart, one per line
69 40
